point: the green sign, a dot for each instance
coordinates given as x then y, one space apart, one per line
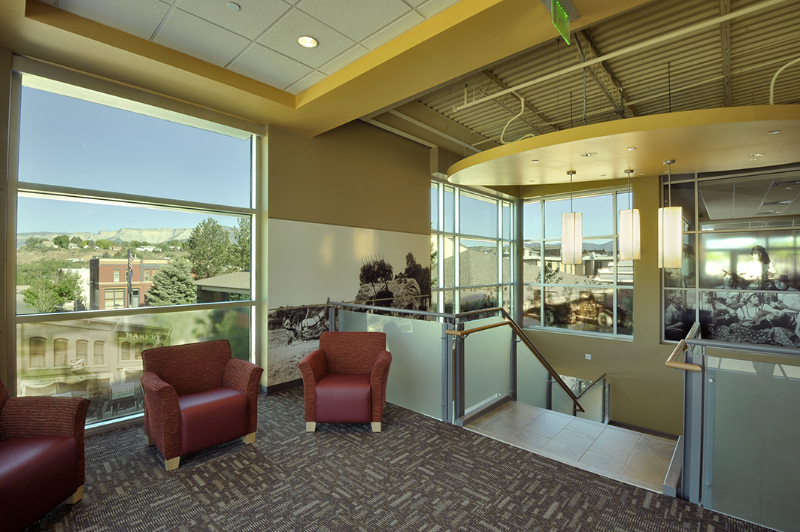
560 19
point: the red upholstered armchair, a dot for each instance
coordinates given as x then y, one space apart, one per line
41 456
197 396
344 381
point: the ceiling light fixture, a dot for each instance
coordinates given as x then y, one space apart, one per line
632 148
629 235
775 132
571 232
670 228
233 6
757 154
534 160
588 154
308 42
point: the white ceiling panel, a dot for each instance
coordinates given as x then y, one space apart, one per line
433 7
251 21
139 18
268 66
200 38
414 3
310 80
404 23
282 37
355 18
342 60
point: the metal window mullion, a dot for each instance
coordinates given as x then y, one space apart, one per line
11 234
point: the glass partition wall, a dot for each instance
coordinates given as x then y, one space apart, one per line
132 231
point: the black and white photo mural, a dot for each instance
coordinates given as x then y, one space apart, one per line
739 276
311 264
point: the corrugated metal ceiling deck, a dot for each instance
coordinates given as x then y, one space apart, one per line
687 73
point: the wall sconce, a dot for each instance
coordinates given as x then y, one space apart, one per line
670 229
571 232
630 247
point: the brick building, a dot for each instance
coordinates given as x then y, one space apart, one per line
108 282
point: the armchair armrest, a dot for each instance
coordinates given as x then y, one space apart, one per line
313 367
243 376
163 415
25 417
377 383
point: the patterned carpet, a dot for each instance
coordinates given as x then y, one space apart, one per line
418 474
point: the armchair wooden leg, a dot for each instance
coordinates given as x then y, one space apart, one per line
376 426
311 426
150 441
173 463
249 438
75 497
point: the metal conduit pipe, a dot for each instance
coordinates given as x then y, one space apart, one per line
628 49
775 77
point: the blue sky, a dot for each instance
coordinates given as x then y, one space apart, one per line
70 142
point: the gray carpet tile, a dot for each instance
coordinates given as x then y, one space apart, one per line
419 474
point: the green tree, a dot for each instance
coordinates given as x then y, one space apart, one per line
240 252
104 244
61 241
33 242
173 285
209 249
551 276
45 294
91 243
78 241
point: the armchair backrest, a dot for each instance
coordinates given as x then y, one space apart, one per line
351 352
189 368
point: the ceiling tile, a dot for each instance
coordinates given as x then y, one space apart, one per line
433 7
267 66
308 81
251 21
355 18
342 60
414 3
137 18
282 37
199 38
394 29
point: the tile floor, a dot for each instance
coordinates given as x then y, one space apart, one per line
621 454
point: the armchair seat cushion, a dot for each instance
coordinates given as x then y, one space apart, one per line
210 417
36 475
343 398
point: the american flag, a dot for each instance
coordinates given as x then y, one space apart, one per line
130 273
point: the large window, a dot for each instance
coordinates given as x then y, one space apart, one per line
595 296
471 243
120 208
739 275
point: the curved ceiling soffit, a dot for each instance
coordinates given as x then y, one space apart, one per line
700 141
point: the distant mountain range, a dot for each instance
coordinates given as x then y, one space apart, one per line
152 236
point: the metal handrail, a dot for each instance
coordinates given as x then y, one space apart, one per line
601 377
392 309
511 323
680 349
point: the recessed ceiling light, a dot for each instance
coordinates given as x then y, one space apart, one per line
757 154
534 160
307 42
233 6
641 173
753 159
602 175
775 132
632 148
589 154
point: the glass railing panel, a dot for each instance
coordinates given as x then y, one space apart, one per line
415 377
561 402
751 467
487 362
100 359
532 378
593 402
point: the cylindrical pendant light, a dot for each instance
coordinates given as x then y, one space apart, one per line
670 229
630 247
571 232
